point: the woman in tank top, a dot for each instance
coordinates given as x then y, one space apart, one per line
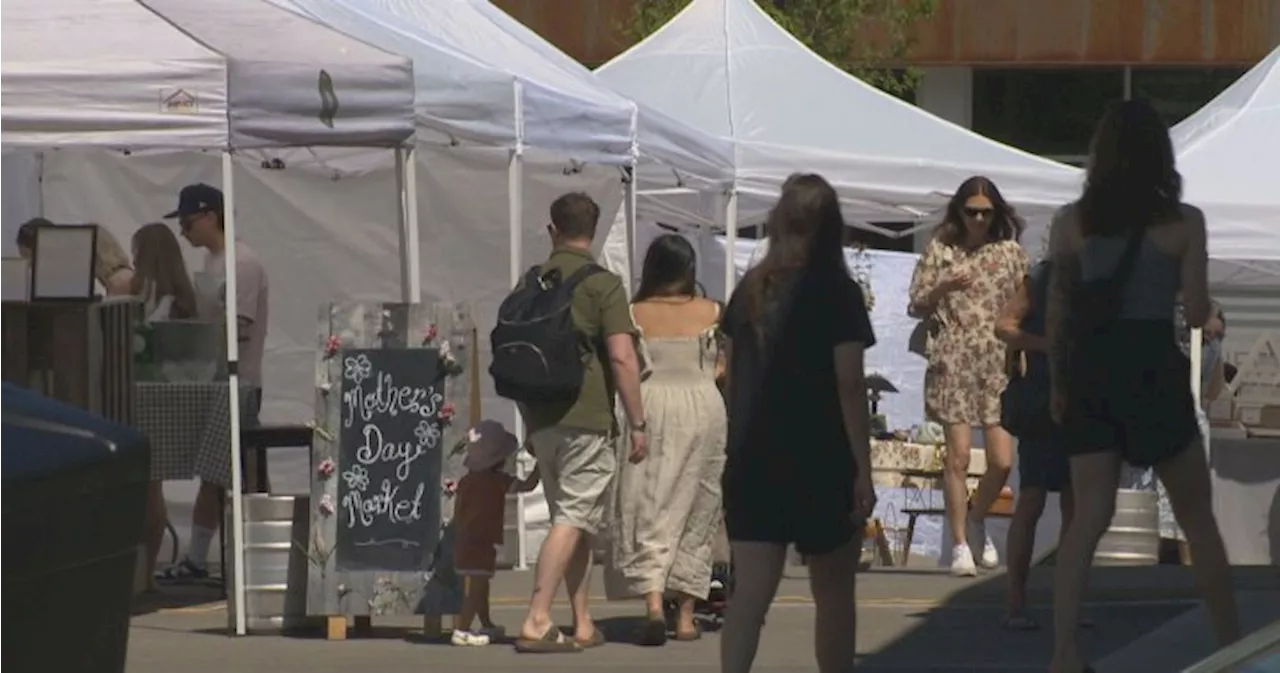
1121 386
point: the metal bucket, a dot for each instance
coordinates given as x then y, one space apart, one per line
1134 536
276 530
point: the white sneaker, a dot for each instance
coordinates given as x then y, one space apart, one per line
962 561
976 534
469 639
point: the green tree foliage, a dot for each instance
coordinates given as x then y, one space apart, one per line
834 29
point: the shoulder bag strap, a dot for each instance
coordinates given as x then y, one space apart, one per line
1128 260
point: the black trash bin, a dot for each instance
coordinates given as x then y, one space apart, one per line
74 498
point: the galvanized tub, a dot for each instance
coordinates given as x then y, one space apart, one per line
276 530
1134 536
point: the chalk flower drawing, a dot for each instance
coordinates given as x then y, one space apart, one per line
427 433
326 468
429 334
332 345
357 369
446 412
357 478
326 505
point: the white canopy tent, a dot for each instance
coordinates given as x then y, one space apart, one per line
542 99
744 77
1229 156
225 75
529 98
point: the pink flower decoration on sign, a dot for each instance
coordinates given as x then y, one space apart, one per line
446 412
429 334
450 487
332 345
326 468
326 505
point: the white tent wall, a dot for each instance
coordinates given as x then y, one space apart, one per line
20 188
463 208
321 243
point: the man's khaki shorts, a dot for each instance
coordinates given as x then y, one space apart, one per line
577 469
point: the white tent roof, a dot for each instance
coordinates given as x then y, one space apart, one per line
175 74
84 72
476 80
1229 157
727 68
664 142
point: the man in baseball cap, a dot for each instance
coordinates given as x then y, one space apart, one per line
200 217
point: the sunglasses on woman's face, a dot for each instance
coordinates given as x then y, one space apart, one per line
975 213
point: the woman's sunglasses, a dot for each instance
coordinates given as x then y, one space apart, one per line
974 213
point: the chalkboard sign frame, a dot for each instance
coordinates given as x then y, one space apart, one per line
432 589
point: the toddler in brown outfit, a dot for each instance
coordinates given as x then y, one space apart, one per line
478 516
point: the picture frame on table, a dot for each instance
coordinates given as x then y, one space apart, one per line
62 262
16 279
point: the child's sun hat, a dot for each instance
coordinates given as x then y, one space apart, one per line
488 444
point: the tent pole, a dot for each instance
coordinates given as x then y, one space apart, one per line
233 387
411 213
730 242
515 219
402 213
1197 360
629 218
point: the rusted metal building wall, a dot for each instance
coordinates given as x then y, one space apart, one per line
996 32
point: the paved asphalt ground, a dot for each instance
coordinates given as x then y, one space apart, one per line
909 620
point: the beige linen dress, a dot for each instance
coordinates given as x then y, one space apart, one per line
666 510
967 369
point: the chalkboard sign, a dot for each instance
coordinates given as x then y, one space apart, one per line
389 459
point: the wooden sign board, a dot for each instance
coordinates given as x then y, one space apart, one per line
392 398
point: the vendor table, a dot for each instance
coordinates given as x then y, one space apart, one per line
1246 497
189 425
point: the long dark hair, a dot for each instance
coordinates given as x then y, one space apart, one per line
670 267
1131 180
160 269
1005 224
806 231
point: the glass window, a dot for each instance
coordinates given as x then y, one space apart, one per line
1044 111
1178 92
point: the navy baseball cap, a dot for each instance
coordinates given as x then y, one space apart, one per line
197 198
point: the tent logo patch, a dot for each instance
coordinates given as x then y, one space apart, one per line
328 99
179 101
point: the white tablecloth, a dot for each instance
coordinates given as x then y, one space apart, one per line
1246 498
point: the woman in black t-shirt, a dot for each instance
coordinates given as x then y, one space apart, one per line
798 466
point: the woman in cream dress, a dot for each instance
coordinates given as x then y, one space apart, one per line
666 509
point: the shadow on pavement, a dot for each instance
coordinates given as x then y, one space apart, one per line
963 629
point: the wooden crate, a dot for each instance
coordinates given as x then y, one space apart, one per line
77 352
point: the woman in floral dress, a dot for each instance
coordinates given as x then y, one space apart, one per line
966 274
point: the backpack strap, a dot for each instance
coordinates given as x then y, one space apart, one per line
583 273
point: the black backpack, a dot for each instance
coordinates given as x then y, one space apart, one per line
537 353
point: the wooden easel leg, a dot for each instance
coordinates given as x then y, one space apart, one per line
335 628
363 626
882 543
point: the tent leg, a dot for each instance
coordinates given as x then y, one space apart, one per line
233 389
411 214
515 219
629 215
730 242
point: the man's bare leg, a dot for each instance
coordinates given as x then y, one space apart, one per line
554 559
577 580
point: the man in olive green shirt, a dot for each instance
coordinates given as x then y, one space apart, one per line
573 441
